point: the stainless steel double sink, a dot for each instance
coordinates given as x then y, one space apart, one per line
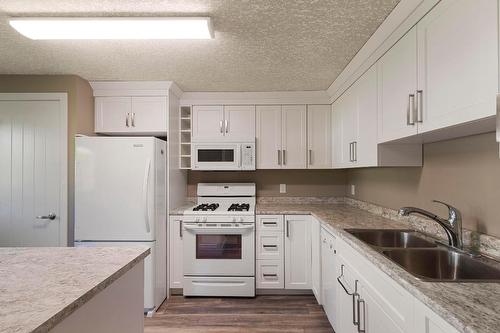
426 259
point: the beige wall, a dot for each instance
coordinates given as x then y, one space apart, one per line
299 182
80 113
464 172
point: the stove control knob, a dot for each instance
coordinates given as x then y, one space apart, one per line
197 220
204 219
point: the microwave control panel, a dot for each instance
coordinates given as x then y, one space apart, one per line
247 157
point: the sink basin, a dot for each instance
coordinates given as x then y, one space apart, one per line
443 265
391 238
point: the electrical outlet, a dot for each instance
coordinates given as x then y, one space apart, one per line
282 188
353 189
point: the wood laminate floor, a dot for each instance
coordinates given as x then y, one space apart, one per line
261 314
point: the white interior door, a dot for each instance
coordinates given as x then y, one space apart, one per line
33 184
294 145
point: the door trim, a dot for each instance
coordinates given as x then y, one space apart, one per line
62 98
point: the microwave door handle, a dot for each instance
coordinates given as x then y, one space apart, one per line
145 195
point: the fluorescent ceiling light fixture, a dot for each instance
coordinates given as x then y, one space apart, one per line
114 27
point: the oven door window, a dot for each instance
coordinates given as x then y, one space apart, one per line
218 246
215 155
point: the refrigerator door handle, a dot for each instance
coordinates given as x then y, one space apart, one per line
145 196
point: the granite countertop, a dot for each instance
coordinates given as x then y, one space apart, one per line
39 287
470 307
179 210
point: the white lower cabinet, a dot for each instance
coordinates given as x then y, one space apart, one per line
297 252
426 321
328 273
283 251
316 258
175 267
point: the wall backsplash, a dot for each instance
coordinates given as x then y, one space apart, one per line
323 183
463 172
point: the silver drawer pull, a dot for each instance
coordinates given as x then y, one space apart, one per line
51 217
269 223
266 246
270 275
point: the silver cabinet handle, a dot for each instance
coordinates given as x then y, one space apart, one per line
288 228
270 223
355 151
284 156
310 156
51 216
359 302
279 157
180 229
269 246
410 117
355 298
270 275
226 126
220 126
420 115
351 159
126 119
133 119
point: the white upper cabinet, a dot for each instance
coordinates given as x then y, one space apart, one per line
457 63
268 137
112 114
294 136
397 85
319 137
239 122
208 123
281 137
229 123
131 115
149 114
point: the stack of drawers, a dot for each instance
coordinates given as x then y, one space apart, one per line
270 252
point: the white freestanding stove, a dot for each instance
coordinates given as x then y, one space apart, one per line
219 241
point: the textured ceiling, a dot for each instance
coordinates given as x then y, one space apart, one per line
259 45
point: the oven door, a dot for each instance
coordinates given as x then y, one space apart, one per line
219 249
217 156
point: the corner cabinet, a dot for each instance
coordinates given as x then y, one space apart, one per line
228 123
281 137
355 134
297 252
319 137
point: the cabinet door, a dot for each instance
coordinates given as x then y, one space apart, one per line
365 149
457 63
268 137
175 256
270 274
348 124
208 123
345 300
337 145
397 80
375 316
319 137
149 114
112 114
294 137
328 277
297 252
316 258
239 123
269 245
426 321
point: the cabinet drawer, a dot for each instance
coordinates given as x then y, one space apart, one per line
269 245
270 274
270 222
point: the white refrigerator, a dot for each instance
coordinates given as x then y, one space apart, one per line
120 200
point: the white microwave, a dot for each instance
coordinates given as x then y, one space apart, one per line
223 156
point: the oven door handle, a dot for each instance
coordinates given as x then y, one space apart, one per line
217 230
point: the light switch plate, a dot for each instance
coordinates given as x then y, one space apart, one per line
282 188
353 189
